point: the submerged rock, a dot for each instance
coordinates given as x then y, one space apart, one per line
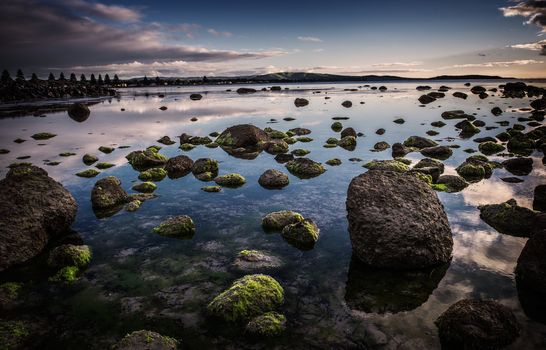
255 260
509 218
477 324
302 234
43 136
304 168
34 209
396 221
145 187
277 220
273 179
181 226
247 297
146 340
267 325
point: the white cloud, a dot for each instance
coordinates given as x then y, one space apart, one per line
310 39
111 12
495 64
217 33
398 64
533 10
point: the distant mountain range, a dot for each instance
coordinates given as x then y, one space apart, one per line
301 77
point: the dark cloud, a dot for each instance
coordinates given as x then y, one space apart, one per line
533 10
45 35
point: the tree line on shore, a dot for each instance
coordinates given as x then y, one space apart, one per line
19 76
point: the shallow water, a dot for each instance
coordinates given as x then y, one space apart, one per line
138 279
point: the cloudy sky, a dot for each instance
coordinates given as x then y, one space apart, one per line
217 37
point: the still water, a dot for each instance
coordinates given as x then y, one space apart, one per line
140 280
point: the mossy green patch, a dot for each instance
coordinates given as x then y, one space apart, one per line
212 189
154 174
104 165
69 255
106 149
88 173
187 147
267 325
333 162
145 187
11 289
43 136
337 126
68 274
230 180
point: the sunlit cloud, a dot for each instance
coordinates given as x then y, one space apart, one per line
111 12
397 64
538 46
310 39
495 64
533 10
217 33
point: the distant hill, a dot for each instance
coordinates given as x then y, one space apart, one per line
302 77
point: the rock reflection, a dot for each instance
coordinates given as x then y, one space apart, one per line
373 290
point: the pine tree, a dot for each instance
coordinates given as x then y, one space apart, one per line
82 78
100 79
145 80
61 77
73 77
116 79
34 77
51 77
20 75
93 80
107 79
5 76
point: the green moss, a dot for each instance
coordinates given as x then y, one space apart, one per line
302 234
104 165
347 142
290 133
490 147
276 134
154 174
304 139
471 171
178 227
332 141
425 177
389 165
187 146
277 220
145 187
230 180
278 147
144 339
67 154
133 205
11 289
154 148
333 162
70 255
267 325
211 145
146 157
12 334
247 297
43 136
440 187
106 149
329 145
67 274
212 188
300 152
88 173
304 167
89 159
290 140
337 126
225 139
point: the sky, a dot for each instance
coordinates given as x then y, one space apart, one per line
228 38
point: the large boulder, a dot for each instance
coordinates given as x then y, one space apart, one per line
34 209
396 221
477 324
78 112
304 168
273 178
146 340
178 166
243 135
108 193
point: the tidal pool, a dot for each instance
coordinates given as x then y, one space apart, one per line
140 280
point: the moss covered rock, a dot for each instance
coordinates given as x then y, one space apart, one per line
387 165
244 135
146 340
145 187
181 226
88 173
205 166
490 147
67 274
300 152
89 159
153 174
148 158
106 149
108 193
104 165
212 189
334 162
69 255
43 136
250 260
419 142
277 220
249 296
337 126
305 168
302 234
453 183
230 180
273 178
276 147
509 218
267 325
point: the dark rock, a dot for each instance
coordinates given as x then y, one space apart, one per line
273 179
539 104
300 131
78 112
460 95
399 150
477 324
477 89
539 199
246 90
519 166
485 139
34 209
284 157
380 131
348 132
243 135
456 114
509 218
181 227
437 152
149 158
347 104
426 99
178 166
205 169
146 340
496 111
166 140
427 162
513 180
196 97
377 204
381 146
453 183
304 168
419 142
107 196
89 159
302 234
301 102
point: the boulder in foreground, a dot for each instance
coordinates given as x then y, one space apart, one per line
477 324
396 221
146 340
34 209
